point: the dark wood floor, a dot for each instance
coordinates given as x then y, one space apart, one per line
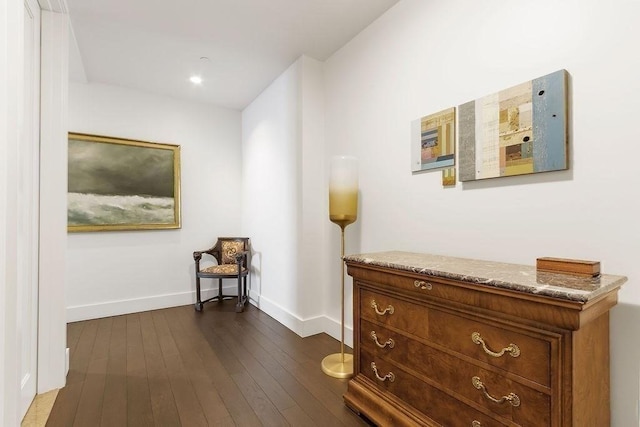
176 367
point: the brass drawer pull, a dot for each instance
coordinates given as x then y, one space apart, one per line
512 349
512 398
390 376
422 285
389 342
476 423
389 308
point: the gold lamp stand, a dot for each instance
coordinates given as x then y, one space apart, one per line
343 210
339 365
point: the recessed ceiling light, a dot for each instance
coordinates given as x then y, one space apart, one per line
196 80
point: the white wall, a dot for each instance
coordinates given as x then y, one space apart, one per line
313 208
120 272
270 135
421 57
282 198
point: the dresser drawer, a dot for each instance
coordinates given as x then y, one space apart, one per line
436 404
522 404
521 352
428 286
406 316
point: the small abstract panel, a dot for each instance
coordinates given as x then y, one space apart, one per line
433 141
449 177
520 130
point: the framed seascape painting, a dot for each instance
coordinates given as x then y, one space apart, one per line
120 184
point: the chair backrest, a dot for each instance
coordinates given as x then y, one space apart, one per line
228 247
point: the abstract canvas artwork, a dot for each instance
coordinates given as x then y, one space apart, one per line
433 141
520 130
118 184
449 177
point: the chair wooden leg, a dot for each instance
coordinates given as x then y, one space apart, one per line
198 305
220 290
240 304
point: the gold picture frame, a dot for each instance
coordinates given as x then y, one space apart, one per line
122 184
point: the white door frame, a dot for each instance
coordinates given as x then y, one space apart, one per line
54 87
11 64
28 207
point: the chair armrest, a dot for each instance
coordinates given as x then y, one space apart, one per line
197 255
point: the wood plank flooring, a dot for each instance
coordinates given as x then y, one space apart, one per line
177 367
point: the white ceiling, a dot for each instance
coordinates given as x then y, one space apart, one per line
155 45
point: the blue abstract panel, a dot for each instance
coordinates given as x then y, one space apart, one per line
550 122
519 130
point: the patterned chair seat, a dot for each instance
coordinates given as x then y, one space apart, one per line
222 269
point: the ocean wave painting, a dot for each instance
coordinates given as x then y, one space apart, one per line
98 209
119 184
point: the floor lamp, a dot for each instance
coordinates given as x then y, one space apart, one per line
343 210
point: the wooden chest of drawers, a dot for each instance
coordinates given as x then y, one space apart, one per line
433 346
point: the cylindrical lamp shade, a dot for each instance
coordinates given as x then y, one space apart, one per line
343 190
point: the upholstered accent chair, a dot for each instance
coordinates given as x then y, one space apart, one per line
233 256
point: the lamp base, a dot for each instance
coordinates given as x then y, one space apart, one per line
332 365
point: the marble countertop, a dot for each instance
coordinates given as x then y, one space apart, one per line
522 278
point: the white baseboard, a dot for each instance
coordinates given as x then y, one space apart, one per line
332 328
136 305
302 327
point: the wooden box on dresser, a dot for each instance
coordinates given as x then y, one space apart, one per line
442 341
